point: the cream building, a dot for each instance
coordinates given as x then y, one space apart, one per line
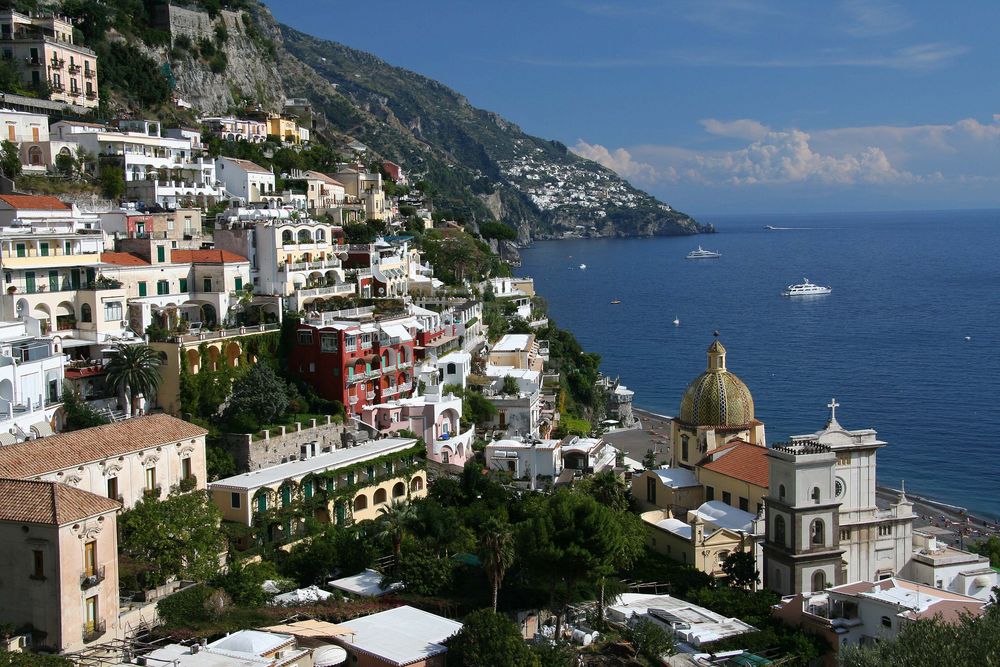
716 408
517 350
244 179
368 487
59 563
46 55
125 461
367 188
230 128
30 132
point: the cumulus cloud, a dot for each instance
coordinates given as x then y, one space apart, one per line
744 128
618 160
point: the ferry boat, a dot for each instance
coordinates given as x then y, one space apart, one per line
701 253
616 302
806 288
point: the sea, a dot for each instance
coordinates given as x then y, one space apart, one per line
907 342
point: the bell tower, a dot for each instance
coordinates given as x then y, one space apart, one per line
802 543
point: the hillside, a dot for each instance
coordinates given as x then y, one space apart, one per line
225 55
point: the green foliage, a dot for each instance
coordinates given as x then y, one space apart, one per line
510 386
496 552
19 659
134 369
487 638
77 414
219 462
66 164
649 459
244 583
608 489
317 559
422 571
741 569
112 182
572 426
185 607
497 230
457 256
649 639
129 73
990 548
10 160
259 397
175 536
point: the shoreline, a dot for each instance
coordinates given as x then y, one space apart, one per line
951 523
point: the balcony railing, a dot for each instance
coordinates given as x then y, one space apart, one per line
153 492
74 69
405 387
92 631
371 396
91 580
353 400
330 290
312 266
91 94
57 64
88 73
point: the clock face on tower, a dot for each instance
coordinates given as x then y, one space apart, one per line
839 487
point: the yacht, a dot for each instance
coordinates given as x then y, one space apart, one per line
583 266
806 288
701 253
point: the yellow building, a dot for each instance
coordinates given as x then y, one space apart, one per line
341 486
737 474
284 128
674 489
711 532
716 408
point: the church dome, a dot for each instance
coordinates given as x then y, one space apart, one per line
717 397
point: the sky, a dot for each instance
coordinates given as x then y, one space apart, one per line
721 106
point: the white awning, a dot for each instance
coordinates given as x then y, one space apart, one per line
42 429
397 331
76 342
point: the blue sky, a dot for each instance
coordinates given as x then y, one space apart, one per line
721 105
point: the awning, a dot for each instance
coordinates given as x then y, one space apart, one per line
7 439
397 331
42 429
75 342
63 309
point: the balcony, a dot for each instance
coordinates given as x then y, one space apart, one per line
312 266
94 630
74 69
58 87
88 74
370 396
330 290
406 387
353 400
91 580
57 64
91 95
154 492
33 62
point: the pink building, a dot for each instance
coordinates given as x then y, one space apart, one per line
433 417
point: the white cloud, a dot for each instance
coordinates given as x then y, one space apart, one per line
871 18
744 128
618 160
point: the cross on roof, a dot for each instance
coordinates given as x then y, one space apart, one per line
833 405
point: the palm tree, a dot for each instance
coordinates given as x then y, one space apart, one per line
135 370
394 522
496 552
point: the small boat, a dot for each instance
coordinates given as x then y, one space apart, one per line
701 253
583 266
806 288
677 321
615 302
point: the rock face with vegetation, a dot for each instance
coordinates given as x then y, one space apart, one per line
224 56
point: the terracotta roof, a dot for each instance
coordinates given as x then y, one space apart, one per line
66 450
36 202
123 259
27 501
247 165
739 460
950 611
206 257
323 177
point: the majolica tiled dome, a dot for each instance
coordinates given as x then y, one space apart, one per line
717 397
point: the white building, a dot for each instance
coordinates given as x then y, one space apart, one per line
244 179
454 368
588 455
946 568
244 648
530 460
400 636
687 622
32 371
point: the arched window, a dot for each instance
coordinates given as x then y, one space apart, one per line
417 483
380 497
815 495
451 369
779 530
819 581
816 530
781 491
361 502
86 315
886 622
320 235
684 447
286 237
398 489
305 236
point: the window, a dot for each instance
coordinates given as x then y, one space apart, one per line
709 493
815 495
150 478
262 502
727 497
68 248
817 532
235 500
845 534
163 287
305 337
328 343
239 284
781 491
207 285
843 458
113 488
818 581
885 531
38 571
91 613
43 249
183 286
651 490
112 311
90 558
779 530
684 447
886 622
186 468
350 343
451 369
161 254
744 504
53 281
21 249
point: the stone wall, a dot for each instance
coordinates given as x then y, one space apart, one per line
284 445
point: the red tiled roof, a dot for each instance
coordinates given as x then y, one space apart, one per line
36 202
123 259
25 501
65 450
739 460
206 257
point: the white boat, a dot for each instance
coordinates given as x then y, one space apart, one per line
701 253
583 266
806 288
677 321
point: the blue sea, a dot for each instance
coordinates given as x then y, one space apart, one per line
889 343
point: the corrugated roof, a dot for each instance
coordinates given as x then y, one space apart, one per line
36 202
65 450
49 502
248 165
739 460
123 259
206 257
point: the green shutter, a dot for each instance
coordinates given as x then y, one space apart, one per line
350 479
208 285
262 503
29 282
142 288
239 283
74 279
53 281
307 489
161 254
22 250
184 285
43 249
68 248
286 496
